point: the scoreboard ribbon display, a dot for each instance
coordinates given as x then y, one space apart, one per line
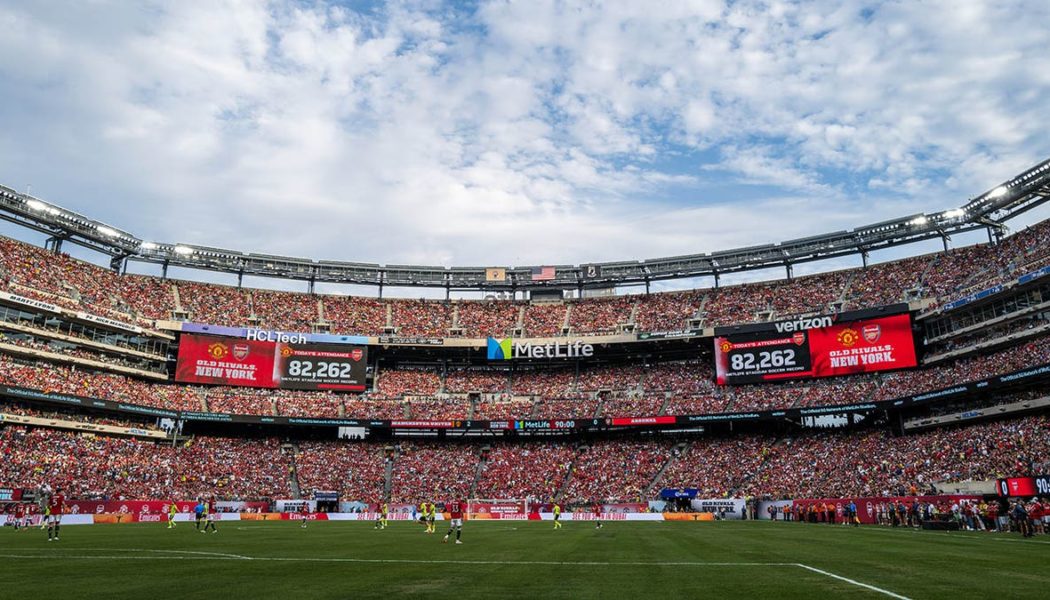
266 364
847 348
1023 487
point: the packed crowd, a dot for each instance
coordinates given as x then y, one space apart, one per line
433 470
839 464
354 470
600 315
879 464
615 471
61 279
495 318
400 382
101 467
535 470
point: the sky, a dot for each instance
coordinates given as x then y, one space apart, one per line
516 133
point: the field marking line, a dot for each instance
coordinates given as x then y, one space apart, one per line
853 581
222 554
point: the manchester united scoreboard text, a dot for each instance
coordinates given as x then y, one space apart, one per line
287 364
818 346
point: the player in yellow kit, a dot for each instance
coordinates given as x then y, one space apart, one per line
557 516
381 517
172 511
431 515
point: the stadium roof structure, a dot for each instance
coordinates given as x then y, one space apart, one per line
988 210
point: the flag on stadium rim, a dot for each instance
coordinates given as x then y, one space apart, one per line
542 273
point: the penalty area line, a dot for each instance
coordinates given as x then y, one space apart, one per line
852 581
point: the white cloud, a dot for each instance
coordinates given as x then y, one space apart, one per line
521 133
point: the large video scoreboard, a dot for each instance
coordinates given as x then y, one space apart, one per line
821 346
269 364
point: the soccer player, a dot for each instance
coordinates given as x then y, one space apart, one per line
455 509
20 512
381 515
304 512
55 505
557 516
209 516
431 515
597 516
422 516
27 512
172 510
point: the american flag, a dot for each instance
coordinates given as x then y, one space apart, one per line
542 273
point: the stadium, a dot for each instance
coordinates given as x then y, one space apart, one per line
229 421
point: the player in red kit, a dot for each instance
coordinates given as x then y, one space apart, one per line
304 512
20 515
597 516
56 503
455 509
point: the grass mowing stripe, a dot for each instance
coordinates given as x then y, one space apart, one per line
235 557
857 583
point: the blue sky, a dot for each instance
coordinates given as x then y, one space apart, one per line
503 133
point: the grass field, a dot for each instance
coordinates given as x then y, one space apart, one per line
520 560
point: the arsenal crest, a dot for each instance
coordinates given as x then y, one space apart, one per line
799 338
872 333
356 354
240 351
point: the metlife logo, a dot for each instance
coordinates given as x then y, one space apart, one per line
500 349
508 349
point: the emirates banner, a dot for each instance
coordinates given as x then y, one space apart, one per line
815 347
221 360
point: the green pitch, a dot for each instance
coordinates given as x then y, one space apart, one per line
520 560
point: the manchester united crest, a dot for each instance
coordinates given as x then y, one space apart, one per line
287 351
848 337
726 346
218 350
